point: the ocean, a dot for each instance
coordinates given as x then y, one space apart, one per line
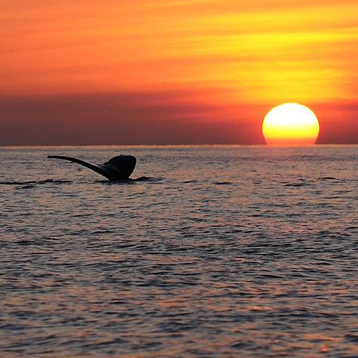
226 251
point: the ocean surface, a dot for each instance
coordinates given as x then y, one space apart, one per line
226 251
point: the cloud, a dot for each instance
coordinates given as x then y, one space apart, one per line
127 118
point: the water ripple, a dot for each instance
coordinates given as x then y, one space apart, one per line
258 261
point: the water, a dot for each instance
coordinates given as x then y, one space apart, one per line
224 252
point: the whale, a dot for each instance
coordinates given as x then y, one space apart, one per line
117 168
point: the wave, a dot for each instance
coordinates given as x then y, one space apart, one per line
35 182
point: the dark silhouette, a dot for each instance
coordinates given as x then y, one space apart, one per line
117 168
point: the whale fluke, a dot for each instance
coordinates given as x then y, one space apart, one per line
117 168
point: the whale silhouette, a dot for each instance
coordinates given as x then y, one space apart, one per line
117 168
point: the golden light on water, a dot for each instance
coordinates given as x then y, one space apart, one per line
290 124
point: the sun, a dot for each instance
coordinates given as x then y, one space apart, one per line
290 124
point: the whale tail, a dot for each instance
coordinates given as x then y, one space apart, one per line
117 168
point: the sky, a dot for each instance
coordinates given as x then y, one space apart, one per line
89 72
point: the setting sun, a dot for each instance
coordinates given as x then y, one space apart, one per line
290 124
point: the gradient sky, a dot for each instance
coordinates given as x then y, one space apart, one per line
173 72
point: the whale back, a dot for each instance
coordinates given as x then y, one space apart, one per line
123 165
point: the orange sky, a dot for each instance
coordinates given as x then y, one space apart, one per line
173 72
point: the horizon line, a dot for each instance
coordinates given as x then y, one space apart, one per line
90 146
